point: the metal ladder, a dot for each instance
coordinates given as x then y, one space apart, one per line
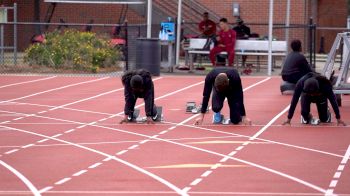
341 86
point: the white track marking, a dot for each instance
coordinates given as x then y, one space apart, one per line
211 152
95 165
31 187
214 153
336 176
81 192
207 173
80 172
196 181
122 152
141 170
64 180
44 140
54 89
27 146
11 151
45 189
26 82
93 97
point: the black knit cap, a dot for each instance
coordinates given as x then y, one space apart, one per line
311 86
136 81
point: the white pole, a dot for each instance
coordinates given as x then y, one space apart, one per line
287 23
269 62
149 18
178 32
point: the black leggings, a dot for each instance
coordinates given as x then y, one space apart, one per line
218 103
322 107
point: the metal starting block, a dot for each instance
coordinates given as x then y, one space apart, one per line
190 106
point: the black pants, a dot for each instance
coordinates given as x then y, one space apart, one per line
218 103
293 78
321 103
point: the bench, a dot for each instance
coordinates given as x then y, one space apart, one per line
242 48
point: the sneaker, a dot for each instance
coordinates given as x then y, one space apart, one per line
306 121
217 118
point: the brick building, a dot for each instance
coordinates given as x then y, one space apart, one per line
326 13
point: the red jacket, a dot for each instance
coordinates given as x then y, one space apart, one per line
227 38
210 25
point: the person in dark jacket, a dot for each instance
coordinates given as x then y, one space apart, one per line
295 65
242 30
138 84
314 88
225 83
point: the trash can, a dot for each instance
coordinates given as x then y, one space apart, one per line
148 55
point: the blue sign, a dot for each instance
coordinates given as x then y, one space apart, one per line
167 31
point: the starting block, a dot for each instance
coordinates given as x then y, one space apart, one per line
190 106
141 119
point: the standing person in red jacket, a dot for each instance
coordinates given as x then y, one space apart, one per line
226 42
207 27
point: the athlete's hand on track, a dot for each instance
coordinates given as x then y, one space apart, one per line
246 121
125 120
340 123
287 122
199 120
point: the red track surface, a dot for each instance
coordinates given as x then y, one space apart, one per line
60 136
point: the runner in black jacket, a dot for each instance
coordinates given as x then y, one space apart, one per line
225 83
314 88
138 84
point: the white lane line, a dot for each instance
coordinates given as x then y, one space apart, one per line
31 187
305 183
11 151
346 156
133 147
64 180
18 118
239 148
196 181
341 167
122 152
103 119
70 130
93 97
144 141
215 166
224 159
139 169
58 135
41 112
26 82
82 126
171 128
54 89
333 183
186 189
269 124
5 122
95 165
45 189
338 173
163 132
44 140
27 146
207 173
80 172
232 153
107 159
